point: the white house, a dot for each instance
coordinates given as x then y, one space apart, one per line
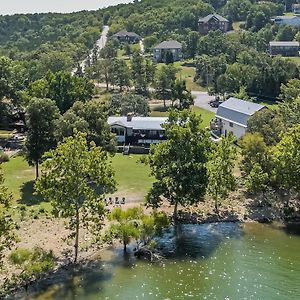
132 130
233 115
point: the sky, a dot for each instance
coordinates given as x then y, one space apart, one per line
35 6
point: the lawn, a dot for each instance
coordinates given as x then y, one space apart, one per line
131 176
4 134
295 59
206 115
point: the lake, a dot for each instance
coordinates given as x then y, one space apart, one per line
210 261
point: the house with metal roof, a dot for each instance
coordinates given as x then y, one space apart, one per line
233 115
213 22
144 131
284 48
287 20
127 37
172 47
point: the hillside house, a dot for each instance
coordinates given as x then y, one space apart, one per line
233 115
127 37
284 48
144 131
287 20
213 22
161 51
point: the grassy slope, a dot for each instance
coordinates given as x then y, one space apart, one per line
206 115
131 175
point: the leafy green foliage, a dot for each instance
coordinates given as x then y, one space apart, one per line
220 170
91 118
125 103
179 164
75 178
7 236
41 117
32 262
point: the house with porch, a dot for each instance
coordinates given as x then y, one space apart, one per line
138 131
127 37
233 115
213 22
161 51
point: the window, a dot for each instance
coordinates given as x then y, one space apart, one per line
230 124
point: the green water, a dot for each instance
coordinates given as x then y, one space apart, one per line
215 261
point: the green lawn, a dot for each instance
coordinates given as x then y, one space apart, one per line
131 176
295 59
206 115
4 134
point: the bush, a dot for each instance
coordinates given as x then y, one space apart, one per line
33 262
4 158
19 256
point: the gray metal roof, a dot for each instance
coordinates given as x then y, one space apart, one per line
277 18
169 45
139 123
286 43
218 17
237 111
125 33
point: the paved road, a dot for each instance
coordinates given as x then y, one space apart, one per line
202 100
101 42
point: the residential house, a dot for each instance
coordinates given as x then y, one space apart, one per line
233 115
143 131
161 51
287 20
213 22
127 37
284 48
296 8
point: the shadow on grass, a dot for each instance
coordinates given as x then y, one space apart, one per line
161 108
27 194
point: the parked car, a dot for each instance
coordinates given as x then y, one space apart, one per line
215 102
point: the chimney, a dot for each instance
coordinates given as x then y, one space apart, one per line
129 117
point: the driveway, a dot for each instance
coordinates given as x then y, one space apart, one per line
202 100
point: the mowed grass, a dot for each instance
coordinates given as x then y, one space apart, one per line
206 115
132 176
4 134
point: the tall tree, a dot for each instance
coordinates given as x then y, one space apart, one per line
179 164
75 179
41 115
90 118
180 94
220 170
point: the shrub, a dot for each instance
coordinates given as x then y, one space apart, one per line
19 256
4 158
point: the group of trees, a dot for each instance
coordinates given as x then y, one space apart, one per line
271 148
187 166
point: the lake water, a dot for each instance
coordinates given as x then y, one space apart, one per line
211 261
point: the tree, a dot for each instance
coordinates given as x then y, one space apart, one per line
290 91
163 81
257 180
104 71
180 94
122 74
168 58
7 236
90 118
220 170
41 115
125 103
63 88
286 156
192 44
75 179
254 151
268 123
179 164
125 226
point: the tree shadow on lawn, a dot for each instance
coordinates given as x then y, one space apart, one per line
27 194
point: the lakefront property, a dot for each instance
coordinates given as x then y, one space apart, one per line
130 130
233 115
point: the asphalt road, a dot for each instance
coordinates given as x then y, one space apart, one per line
202 100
